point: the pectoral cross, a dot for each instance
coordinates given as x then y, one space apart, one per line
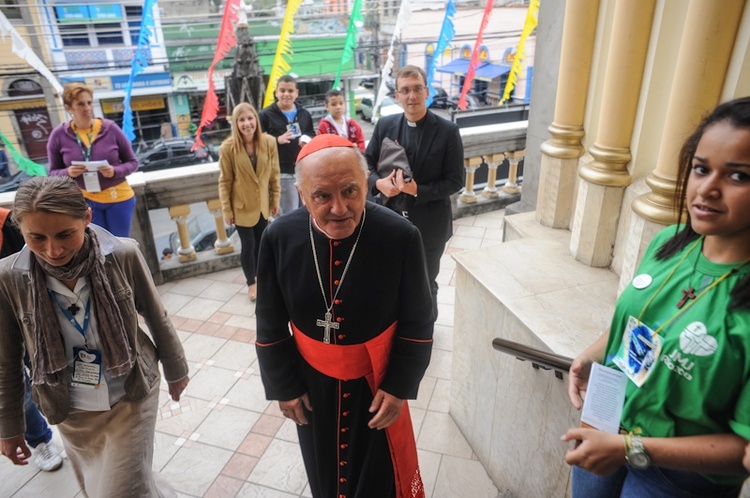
73 309
328 325
686 294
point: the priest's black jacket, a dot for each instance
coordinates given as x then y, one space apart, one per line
386 282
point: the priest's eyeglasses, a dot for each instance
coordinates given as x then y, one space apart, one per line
417 90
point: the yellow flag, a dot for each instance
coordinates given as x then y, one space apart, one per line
528 26
282 61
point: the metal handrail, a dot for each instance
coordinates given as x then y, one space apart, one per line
538 358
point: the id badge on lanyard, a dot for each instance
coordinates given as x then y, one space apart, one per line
87 362
87 368
638 352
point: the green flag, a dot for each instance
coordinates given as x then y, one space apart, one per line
356 21
24 164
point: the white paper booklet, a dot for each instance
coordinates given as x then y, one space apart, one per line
90 165
605 397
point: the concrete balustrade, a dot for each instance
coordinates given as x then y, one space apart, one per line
511 186
494 161
222 245
471 165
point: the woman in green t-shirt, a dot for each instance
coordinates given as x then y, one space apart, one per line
681 334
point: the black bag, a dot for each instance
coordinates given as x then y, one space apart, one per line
393 157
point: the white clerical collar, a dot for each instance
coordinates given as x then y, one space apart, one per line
317 227
415 124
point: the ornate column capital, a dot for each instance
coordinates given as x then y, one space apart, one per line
658 205
565 142
609 167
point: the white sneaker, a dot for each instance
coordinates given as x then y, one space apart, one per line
47 457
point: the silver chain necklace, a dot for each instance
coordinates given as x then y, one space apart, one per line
327 324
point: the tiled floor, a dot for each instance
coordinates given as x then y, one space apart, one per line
224 440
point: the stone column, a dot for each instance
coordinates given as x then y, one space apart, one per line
561 152
511 186
604 173
180 214
470 165
493 162
708 38
222 244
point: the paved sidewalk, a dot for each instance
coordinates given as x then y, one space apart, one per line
224 440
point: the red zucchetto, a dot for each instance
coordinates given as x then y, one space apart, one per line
324 141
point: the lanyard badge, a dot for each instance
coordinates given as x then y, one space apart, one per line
87 368
638 352
87 362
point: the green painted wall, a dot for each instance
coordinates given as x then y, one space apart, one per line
311 57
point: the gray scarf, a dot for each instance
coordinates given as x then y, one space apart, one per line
50 350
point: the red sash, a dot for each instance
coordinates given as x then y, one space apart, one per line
370 360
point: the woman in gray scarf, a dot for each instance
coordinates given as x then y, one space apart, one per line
71 299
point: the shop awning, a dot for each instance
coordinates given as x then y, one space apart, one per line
486 70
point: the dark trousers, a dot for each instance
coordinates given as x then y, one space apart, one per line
433 255
37 430
250 239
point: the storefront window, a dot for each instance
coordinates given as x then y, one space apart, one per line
148 115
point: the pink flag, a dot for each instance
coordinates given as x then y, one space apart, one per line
474 62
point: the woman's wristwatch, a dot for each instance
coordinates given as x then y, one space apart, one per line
635 453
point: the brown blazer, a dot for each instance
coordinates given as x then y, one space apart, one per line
245 193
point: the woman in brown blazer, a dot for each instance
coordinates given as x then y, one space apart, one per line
249 186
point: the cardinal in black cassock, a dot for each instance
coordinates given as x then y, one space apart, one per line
345 328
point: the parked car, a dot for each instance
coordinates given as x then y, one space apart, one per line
12 182
440 100
202 232
366 107
175 152
472 102
388 107
360 93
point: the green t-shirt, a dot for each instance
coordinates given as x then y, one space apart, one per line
700 383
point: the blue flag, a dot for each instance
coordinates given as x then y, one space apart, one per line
138 64
447 32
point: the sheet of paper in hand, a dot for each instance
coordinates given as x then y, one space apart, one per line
605 398
91 165
393 156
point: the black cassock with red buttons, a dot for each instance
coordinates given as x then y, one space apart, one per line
385 282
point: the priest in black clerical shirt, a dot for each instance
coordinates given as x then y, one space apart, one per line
436 157
349 278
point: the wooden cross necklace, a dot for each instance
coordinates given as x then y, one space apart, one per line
686 294
327 324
